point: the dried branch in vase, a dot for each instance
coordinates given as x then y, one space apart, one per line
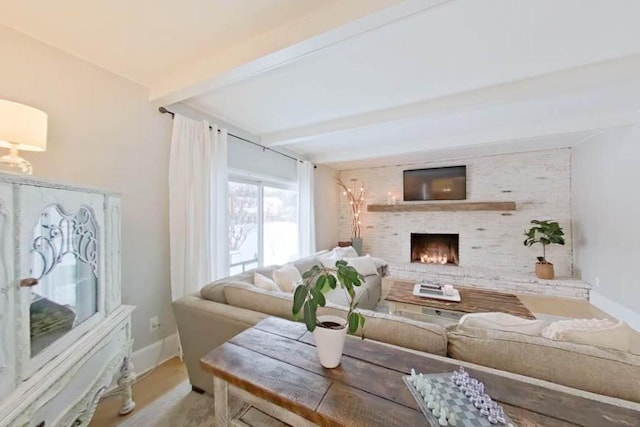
355 196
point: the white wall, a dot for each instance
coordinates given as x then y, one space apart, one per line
539 183
103 132
606 218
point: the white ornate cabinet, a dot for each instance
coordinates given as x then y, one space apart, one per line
64 333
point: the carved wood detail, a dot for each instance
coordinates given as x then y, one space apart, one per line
104 339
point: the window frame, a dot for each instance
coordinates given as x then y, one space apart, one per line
260 181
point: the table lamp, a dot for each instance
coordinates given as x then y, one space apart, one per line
21 128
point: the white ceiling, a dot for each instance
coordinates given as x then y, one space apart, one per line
348 82
464 73
141 39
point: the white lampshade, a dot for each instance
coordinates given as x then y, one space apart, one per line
22 127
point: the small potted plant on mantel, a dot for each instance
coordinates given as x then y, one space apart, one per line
545 233
329 331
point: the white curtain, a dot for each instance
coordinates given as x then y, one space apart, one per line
306 220
197 205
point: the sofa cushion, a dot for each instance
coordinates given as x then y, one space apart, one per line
273 303
263 282
502 322
367 294
395 330
363 265
329 260
604 371
215 291
305 264
287 277
600 333
346 252
391 329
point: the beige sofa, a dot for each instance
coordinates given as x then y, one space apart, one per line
227 307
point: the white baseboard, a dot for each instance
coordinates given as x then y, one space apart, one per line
615 309
147 357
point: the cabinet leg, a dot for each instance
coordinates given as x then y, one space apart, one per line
126 380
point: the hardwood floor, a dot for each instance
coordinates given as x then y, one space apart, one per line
165 377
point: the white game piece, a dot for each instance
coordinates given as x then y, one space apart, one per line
492 417
436 409
431 401
452 418
443 417
428 387
420 388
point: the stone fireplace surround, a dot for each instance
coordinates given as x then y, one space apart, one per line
491 251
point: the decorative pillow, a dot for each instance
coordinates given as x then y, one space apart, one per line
363 265
287 277
502 322
263 282
329 260
346 252
603 333
379 262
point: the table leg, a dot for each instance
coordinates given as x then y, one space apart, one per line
221 402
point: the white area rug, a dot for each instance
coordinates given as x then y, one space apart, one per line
180 407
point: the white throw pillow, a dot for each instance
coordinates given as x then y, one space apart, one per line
346 252
329 260
502 322
363 265
263 282
287 277
379 262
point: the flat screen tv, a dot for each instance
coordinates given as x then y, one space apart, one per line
449 183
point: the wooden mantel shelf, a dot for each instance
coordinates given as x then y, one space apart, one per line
444 207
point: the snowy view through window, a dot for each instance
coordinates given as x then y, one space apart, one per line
276 219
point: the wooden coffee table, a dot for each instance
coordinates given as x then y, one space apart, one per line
273 366
472 300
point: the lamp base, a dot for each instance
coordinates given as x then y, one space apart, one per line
13 163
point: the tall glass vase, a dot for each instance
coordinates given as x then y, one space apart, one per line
356 242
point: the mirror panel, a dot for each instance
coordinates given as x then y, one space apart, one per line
64 258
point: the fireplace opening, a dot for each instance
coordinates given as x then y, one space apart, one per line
434 248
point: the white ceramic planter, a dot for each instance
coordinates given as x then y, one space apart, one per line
330 342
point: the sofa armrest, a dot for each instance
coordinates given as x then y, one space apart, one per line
204 325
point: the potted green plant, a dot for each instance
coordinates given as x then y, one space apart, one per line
329 331
545 233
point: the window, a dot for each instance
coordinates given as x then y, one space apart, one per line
263 224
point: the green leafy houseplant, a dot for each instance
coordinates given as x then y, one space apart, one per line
310 294
545 233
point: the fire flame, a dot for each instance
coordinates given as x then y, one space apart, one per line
434 258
